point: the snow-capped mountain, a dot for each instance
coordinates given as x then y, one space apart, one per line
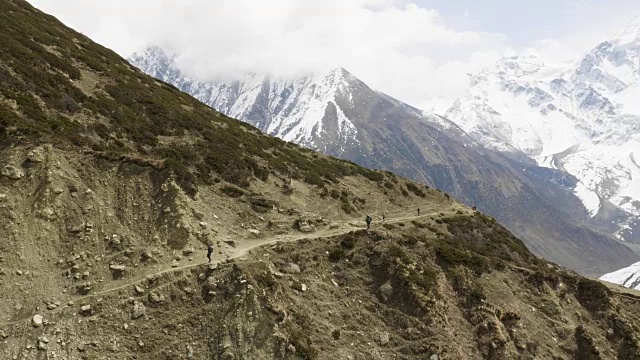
582 118
338 114
309 109
628 277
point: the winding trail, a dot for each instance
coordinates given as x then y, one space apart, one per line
242 250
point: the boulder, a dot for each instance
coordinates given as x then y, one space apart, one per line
37 320
386 290
261 204
139 310
12 172
254 232
35 156
304 225
384 338
116 268
299 286
155 297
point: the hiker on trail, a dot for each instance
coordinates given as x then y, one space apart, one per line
383 215
368 219
209 251
418 211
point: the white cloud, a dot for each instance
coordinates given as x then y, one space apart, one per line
395 46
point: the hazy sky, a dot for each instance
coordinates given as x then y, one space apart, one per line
419 51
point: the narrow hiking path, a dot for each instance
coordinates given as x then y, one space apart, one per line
240 251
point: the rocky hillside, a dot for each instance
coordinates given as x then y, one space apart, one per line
336 113
112 183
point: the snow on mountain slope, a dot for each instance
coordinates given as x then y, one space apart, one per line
583 118
628 277
304 109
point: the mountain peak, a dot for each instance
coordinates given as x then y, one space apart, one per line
630 33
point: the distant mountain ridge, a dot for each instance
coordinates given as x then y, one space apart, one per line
583 119
338 114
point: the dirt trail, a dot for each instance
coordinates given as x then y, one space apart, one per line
243 249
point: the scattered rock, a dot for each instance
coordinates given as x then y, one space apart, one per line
434 357
3 334
19 272
299 286
304 226
146 255
138 289
203 224
116 268
334 283
35 156
47 214
384 338
155 297
86 310
139 310
187 251
254 232
210 284
12 172
42 345
37 320
188 290
386 290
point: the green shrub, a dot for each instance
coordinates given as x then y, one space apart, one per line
336 254
348 242
416 190
451 256
593 295
476 296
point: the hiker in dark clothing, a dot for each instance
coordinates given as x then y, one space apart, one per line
418 211
368 219
209 251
